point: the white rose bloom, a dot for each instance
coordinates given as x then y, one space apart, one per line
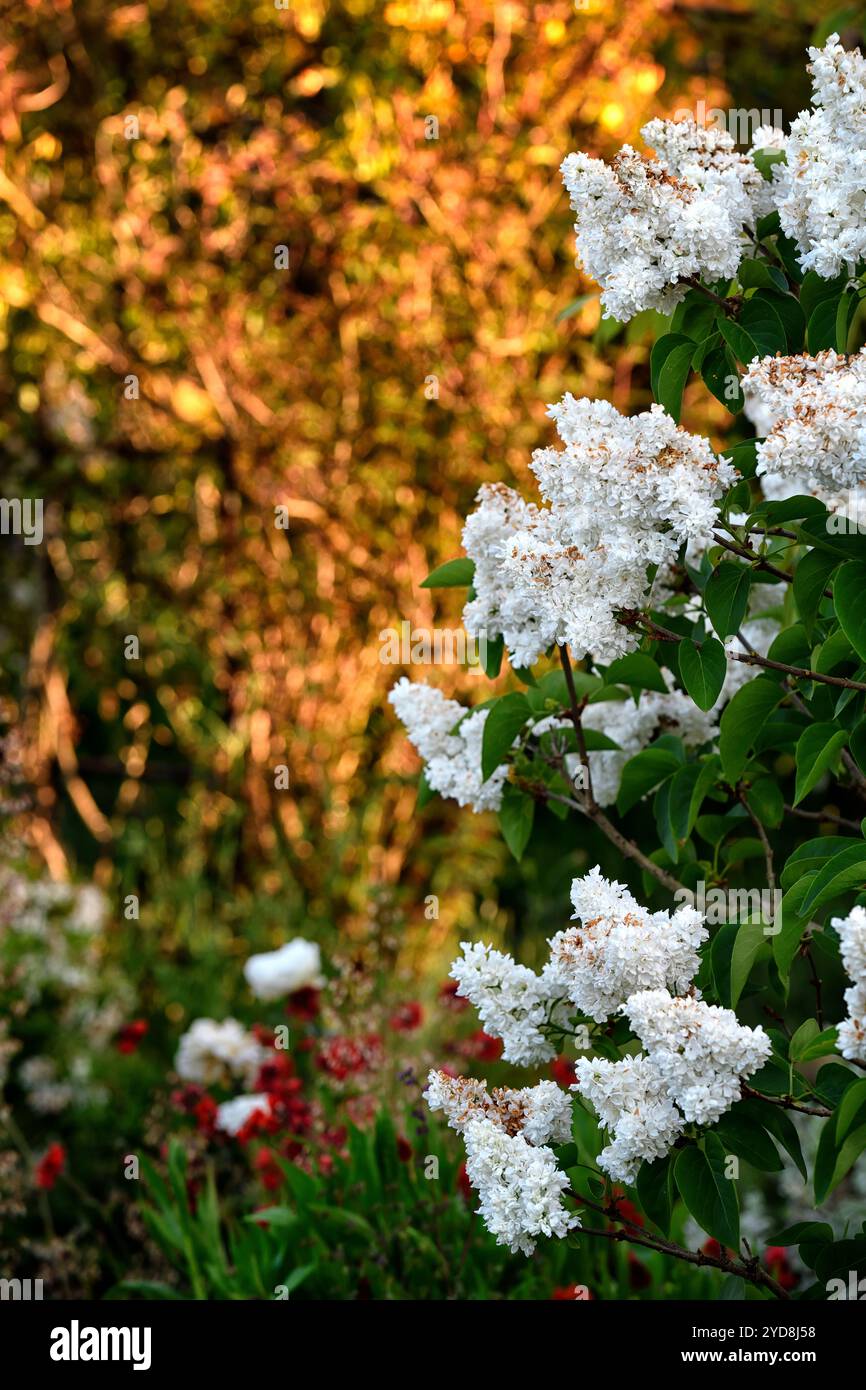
211 1052
232 1115
296 965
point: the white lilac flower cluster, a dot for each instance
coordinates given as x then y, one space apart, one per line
623 494
852 1031
294 966
699 1050
818 190
621 959
812 411
519 1186
696 1057
513 1002
211 1052
452 755
620 948
633 1103
647 228
643 233
542 1113
506 1133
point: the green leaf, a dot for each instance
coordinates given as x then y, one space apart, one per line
726 597
703 667
815 289
792 316
756 275
811 578
850 1106
760 319
655 1190
741 722
637 670
454 574
821 330
516 815
780 1125
504 722
821 1045
425 792
813 855
844 314
766 800
642 773
741 1136
494 648
720 376
741 343
708 1194
670 364
751 936
832 1163
846 870
849 591
786 941
818 748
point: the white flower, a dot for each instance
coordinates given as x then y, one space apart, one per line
632 1101
621 948
699 1050
852 936
512 1001
542 1113
814 412
211 1052
706 157
642 233
232 1115
638 485
819 189
296 965
452 758
519 1186
502 607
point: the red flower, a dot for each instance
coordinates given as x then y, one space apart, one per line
776 1260
131 1035
50 1166
627 1210
450 998
569 1292
260 1122
562 1071
481 1047
407 1018
341 1057
268 1169
404 1149
303 1004
205 1115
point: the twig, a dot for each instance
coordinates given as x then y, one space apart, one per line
823 815
762 836
788 1103
745 1269
588 804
